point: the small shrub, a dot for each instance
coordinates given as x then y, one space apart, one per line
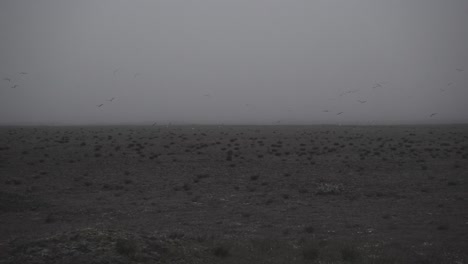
310 252
202 176
17 182
126 247
50 218
254 177
451 183
309 229
328 188
350 254
386 216
176 235
128 181
443 227
221 251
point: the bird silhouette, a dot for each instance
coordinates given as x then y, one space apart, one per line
155 123
377 85
344 93
433 114
112 99
460 70
348 92
363 101
339 113
135 75
100 105
23 73
14 86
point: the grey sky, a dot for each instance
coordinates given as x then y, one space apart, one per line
233 61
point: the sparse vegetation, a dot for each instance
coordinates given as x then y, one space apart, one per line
212 195
309 229
310 252
254 177
126 247
349 253
221 251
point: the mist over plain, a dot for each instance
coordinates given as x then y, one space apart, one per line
233 62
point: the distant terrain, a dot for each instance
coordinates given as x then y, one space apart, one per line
234 194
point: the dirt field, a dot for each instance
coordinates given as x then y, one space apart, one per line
234 194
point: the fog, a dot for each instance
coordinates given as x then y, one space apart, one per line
233 62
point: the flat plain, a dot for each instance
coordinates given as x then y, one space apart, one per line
234 194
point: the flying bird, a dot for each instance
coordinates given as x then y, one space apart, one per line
135 75
448 84
112 99
377 85
23 73
339 113
14 86
433 114
115 71
7 79
363 101
155 123
100 105
347 92
460 70
344 93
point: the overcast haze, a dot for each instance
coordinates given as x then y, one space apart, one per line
242 61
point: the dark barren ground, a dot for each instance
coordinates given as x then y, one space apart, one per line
234 194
